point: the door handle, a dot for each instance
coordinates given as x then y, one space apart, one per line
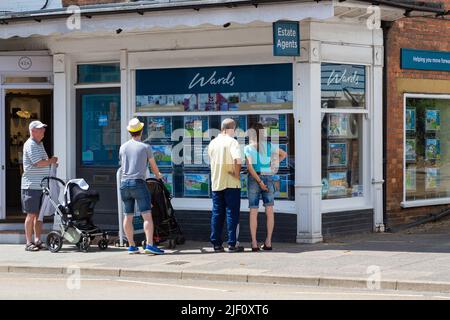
3 167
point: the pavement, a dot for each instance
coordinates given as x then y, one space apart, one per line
416 260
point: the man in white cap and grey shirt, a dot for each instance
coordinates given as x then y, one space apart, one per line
36 166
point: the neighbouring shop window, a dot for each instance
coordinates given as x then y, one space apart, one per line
427 148
342 151
98 73
100 129
205 97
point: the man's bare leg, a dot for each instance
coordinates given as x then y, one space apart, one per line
129 229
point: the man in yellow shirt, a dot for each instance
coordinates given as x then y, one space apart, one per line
225 161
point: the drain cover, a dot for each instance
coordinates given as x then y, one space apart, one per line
177 263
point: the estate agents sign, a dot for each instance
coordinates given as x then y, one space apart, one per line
286 38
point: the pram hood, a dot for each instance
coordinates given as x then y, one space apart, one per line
77 190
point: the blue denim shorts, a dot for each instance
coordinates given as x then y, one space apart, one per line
133 191
255 193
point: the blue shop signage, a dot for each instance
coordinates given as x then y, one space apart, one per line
229 79
425 60
286 38
341 77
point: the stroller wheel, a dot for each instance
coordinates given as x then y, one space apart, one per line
54 241
172 244
85 244
180 239
103 244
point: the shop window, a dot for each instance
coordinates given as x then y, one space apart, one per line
427 148
343 86
341 156
100 129
98 73
201 99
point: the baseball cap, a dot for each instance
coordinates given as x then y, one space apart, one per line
37 125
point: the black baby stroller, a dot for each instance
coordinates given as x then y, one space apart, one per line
164 221
76 214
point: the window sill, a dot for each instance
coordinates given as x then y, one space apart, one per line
198 204
345 204
423 203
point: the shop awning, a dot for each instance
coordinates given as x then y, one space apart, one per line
139 20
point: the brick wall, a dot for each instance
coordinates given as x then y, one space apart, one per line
416 33
80 3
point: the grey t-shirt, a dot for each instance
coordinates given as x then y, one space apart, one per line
134 157
33 152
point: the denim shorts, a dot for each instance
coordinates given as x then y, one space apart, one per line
133 191
255 192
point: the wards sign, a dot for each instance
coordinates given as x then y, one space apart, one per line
286 38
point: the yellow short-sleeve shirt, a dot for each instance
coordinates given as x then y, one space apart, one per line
222 151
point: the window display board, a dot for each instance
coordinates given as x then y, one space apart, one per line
180 141
427 148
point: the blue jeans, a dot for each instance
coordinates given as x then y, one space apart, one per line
255 192
226 203
133 191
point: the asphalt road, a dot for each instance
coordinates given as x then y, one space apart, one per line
34 286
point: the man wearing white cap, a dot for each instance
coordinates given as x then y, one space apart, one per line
134 157
36 166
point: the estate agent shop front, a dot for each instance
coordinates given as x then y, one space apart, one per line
324 104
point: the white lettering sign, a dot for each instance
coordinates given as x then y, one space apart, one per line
212 80
335 78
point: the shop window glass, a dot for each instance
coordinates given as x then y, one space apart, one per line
343 87
427 150
341 156
181 153
180 142
98 73
100 129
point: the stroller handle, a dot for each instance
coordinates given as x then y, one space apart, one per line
51 178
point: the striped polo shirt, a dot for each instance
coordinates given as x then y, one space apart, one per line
33 152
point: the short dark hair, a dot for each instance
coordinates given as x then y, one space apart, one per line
136 134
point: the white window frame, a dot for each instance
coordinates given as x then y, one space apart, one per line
365 201
216 58
418 203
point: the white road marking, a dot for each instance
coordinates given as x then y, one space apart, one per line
172 285
57 279
441 297
362 293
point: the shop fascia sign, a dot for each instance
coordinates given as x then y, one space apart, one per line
286 38
336 77
425 60
224 79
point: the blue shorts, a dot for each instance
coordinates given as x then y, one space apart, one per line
133 191
255 193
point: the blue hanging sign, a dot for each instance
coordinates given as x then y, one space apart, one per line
286 38
425 60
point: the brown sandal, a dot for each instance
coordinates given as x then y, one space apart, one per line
31 247
40 245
